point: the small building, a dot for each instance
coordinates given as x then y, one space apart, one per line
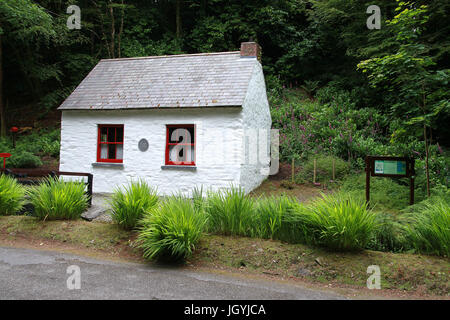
178 122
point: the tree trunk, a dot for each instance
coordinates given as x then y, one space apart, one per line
102 22
178 18
2 107
113 31
119 37
427 169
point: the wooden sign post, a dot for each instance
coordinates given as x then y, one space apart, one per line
393 167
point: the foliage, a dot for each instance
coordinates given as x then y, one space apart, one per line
340 222
324 169
388 235
11 195
269 220
56 199
171 230
23 159
429 228
328 126
229 212
411 72
129 204
30 148
386 194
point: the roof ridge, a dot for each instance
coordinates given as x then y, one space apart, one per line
173 56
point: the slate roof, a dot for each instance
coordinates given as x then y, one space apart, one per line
194 80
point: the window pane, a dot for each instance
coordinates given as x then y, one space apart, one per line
119 150
103 134
181 134
104 151
119 137
111 151
111 134
192 154
181 153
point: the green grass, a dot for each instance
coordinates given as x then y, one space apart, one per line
230 212
386 194
324 169
11 195
429 228
271 217
129 204
414 273
102 236
340 221
57 199
411 272
389 234
171 230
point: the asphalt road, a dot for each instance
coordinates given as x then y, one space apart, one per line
35 274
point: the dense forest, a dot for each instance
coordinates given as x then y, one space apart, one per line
335 86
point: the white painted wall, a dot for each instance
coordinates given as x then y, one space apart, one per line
218 146
223 157
257 122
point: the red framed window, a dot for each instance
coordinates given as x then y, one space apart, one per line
180 144
110 143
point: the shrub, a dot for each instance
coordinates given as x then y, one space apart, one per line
296 227
287 184
11 195
230 212
429 228
57 199
324 169
197 198
386 194
171 230
271 217
51 147
340 221
23 159
129 205
388 235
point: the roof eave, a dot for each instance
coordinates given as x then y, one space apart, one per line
149 108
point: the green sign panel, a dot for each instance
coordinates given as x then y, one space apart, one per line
390 167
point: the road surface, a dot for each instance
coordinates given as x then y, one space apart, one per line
35 274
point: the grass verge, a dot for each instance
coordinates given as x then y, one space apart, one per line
412 274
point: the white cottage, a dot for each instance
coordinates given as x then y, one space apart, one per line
178 122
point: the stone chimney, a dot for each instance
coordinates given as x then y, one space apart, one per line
251 49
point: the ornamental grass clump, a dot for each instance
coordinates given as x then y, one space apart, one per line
129 204
11 195
56 199
272 217
340 222
388 235
171 230
230 212
429 227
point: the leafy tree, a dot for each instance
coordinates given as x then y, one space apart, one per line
25 23
410 72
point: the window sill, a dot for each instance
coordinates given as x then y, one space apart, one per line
175 167
108 165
